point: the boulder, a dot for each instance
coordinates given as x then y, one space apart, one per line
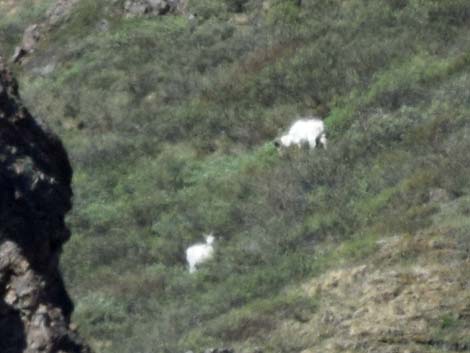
31 37
59 12
136 8
219 350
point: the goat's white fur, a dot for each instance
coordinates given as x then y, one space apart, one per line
200 252
307 130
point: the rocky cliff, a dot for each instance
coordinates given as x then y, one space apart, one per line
35 195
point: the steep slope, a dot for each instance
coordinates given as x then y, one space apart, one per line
422 306
169 121
35 178
411 295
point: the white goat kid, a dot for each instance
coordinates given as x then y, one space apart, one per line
199 253
304 131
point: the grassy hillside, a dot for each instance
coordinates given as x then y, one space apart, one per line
169 123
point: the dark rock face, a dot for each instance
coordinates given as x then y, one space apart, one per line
35 195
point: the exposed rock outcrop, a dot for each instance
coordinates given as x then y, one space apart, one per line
134 8
35 195
61 10
31 37
219 350
56 14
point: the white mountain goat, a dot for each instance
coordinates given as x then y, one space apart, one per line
308 131
199 253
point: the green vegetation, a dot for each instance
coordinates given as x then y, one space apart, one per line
169 126
14 18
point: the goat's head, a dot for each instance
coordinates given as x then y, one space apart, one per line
210 238
283 141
